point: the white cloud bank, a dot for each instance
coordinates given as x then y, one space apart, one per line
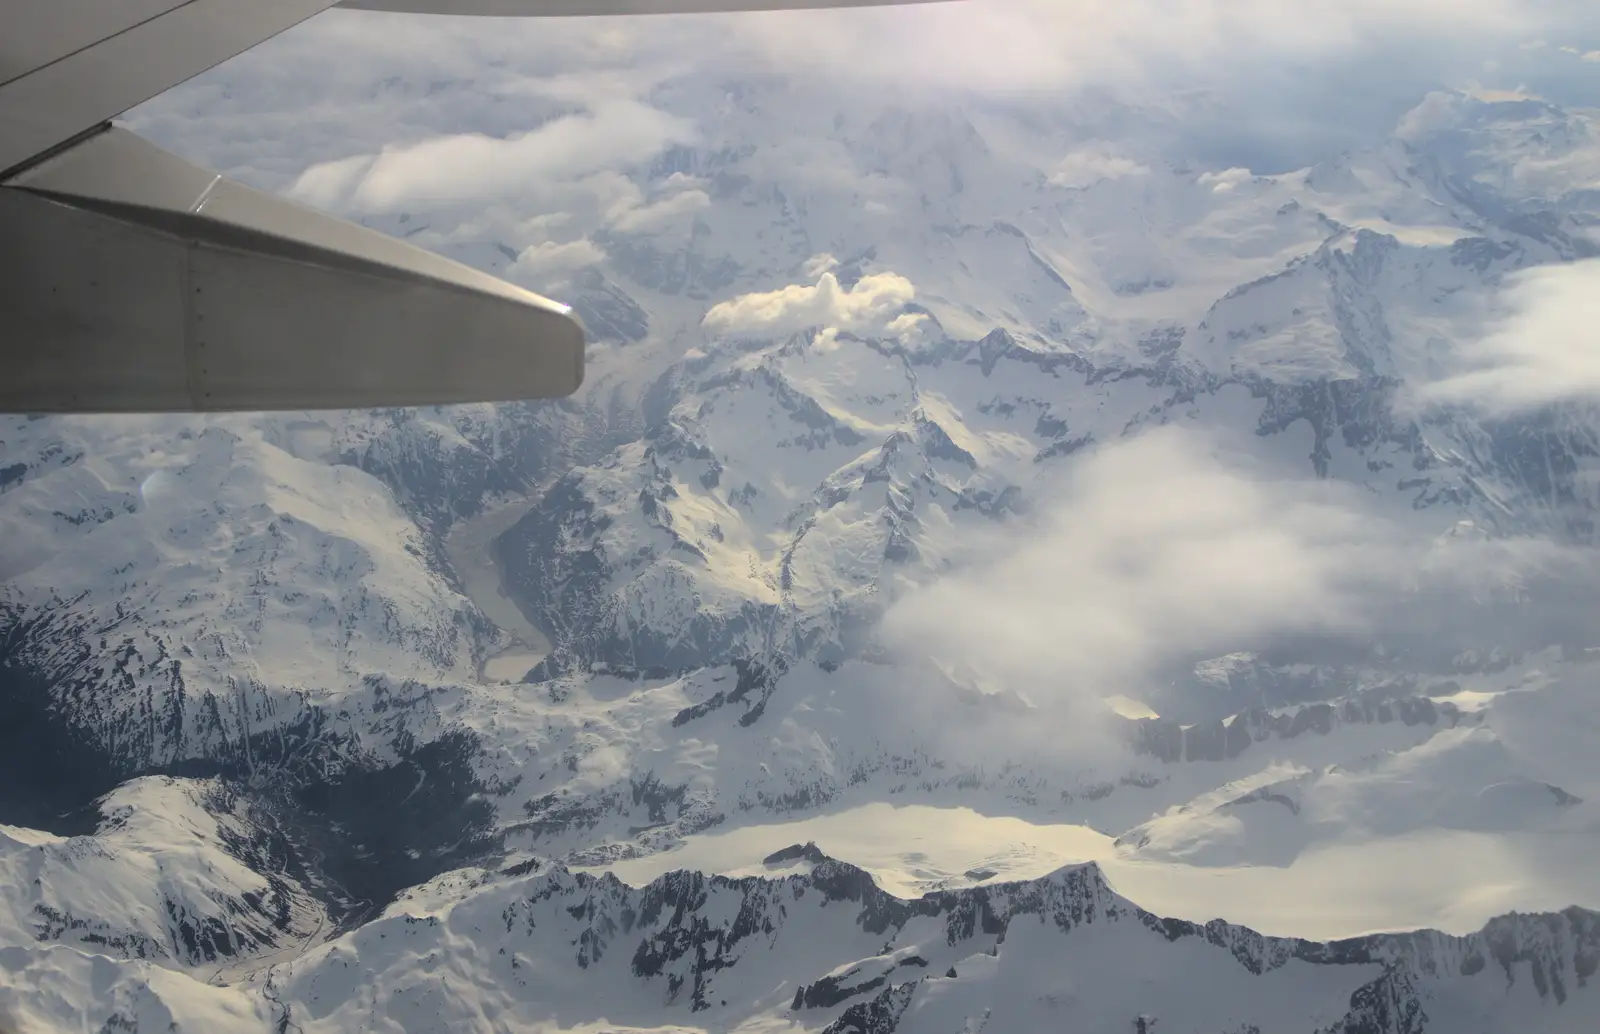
1544 349
1224 181
1167 547
677 209
1155 548
543 260
873 305
471 168
1088 167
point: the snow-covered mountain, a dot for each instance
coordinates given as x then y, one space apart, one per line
822 947
265 723
825 944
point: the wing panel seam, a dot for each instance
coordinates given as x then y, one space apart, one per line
90 46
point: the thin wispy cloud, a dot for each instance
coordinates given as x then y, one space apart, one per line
1090 166
468 168
1224 181
1543 349
675 210
540 261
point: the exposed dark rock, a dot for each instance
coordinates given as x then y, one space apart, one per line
879 1016
809 852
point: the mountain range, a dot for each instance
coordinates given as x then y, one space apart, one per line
972 591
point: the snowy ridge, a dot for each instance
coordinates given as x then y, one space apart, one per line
297 580
837 953
170 876
57 988
704 945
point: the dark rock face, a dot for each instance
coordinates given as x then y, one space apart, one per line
439 480
685 272
1388 1005
378 829
560 572
607 311
322 817
1170 741
808 851
881 1015
67 680
50 775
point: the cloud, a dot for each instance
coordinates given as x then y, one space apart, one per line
1172 547
472 167
1224 181
819 264
871 304
541 260
1437 111
1155 547
1087 167
1593 55
1544 349
659 215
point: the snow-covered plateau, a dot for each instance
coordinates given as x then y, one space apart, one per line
994 578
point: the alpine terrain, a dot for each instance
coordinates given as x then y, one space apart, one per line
999 575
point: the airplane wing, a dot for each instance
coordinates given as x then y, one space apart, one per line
132 281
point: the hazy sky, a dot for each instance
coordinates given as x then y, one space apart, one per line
1285 79
532 132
